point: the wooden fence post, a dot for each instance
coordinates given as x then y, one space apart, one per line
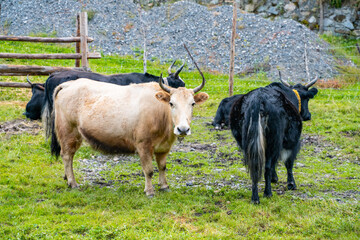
232 51
321 24
83 40
77 46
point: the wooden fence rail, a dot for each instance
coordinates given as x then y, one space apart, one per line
49 56
21 70
82 54
43 39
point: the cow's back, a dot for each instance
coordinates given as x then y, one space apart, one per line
119 116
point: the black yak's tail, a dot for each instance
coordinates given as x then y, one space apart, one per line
254 142
55 146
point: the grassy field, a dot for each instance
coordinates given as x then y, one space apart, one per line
210 188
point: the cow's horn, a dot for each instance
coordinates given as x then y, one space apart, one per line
162 85
179 70
197 89
169 69
41 87
311 83
283 81
27 79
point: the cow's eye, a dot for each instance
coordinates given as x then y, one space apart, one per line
193 104
171 104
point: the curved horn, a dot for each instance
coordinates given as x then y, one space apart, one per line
162 85
312 82
169 69
27 79
197 89
179 70
283 81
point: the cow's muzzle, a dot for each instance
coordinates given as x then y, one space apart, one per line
182 130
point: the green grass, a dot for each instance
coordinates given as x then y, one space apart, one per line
35 202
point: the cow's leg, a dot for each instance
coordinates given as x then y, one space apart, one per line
146 153
289 163
69 143
161 162
69 140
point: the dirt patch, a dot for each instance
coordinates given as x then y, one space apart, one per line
194 147
20 126
99 170
92 168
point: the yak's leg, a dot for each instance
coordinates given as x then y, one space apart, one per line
161 162
289 163
267 191
274 176
255 195
146 156
272 152
271 159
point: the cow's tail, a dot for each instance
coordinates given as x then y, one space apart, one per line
254 144
55 146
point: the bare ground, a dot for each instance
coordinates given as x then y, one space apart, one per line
20 126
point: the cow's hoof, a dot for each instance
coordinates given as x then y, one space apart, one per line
150 195
268 195
167 189
73 185
255 201
291 186
274 179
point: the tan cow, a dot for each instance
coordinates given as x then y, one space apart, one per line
139 118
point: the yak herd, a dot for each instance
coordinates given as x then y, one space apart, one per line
144 114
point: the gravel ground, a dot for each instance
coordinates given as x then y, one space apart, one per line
261 44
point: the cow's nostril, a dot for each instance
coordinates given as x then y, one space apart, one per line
183 130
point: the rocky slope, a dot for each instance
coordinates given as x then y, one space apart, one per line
116 26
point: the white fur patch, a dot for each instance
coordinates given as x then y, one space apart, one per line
284 155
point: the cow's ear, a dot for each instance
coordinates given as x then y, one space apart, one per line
201 97
163 96
312 92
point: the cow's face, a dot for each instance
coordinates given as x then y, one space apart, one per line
174 79
305 95
181 102
34 106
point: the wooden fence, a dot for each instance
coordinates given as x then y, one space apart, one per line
82 53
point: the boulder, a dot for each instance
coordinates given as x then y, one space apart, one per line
249 8
273 11
348 24
328 22
312 20
290 7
